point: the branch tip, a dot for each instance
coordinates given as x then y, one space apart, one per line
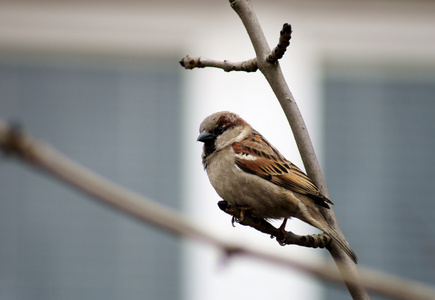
223 205
286 28
190 63
12 141
284 41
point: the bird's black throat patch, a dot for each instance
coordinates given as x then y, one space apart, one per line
209 148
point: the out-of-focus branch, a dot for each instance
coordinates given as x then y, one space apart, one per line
16 143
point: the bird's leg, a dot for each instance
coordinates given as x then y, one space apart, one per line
240 219
243 209
281 228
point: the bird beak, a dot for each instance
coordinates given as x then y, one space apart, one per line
205 137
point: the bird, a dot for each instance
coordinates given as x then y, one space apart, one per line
251 174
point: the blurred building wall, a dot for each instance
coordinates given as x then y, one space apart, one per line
120 122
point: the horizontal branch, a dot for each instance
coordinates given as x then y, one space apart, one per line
190 63
250 65
14 142
283 237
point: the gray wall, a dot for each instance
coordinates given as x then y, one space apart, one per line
380 170
122 122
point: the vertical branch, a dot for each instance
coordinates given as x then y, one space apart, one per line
274 76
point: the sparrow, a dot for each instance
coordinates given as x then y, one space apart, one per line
249 173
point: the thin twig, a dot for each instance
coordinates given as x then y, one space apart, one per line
190 63
250 65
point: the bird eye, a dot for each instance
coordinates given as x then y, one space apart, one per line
219 130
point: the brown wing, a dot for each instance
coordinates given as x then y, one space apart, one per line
256 156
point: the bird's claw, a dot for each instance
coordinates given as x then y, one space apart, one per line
241 217
283 236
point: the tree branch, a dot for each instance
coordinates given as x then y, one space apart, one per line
267 63
250 65
282 237
274 76
284 41
190 63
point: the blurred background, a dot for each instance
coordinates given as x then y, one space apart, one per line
100 81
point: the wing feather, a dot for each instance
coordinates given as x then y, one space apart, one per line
257 156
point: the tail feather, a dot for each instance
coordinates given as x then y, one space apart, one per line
343 244
310 213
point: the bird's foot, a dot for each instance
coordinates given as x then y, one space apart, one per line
243 210
281 239
226 207
240 219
